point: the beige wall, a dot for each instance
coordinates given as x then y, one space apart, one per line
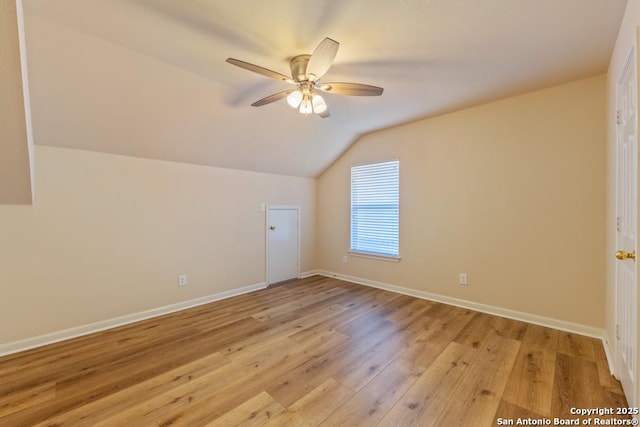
627 39
109 235
511 193
15 169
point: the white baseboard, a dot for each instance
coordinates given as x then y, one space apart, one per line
29 343
310 273
484 308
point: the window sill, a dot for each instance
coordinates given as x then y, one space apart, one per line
387 258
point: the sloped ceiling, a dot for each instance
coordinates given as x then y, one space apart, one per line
148 78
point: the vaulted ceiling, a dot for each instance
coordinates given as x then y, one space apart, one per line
148 78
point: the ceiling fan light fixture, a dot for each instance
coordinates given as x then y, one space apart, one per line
305 105
319 106
294 99
306 73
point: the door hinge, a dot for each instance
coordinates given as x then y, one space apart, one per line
618 117
618 224
618 332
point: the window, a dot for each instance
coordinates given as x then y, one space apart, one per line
375 190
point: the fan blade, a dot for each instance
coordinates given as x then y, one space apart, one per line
322 58
259 70
325 113
271 98
353 89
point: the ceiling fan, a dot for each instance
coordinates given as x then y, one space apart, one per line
306 72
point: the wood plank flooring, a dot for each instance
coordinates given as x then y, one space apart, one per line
311 352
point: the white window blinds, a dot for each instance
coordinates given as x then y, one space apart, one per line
375 194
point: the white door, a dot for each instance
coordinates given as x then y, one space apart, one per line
282 244
626 225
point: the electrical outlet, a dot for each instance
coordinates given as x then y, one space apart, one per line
182 280
345 258
463 279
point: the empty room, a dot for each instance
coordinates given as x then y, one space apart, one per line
287 213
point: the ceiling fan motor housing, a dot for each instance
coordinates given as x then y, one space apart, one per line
298 65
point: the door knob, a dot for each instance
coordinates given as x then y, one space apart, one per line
622 255
272 227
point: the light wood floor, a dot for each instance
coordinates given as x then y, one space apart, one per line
313 352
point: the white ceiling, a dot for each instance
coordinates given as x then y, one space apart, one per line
148 78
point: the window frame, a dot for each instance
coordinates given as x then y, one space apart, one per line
393 257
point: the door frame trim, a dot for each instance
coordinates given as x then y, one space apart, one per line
266 237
